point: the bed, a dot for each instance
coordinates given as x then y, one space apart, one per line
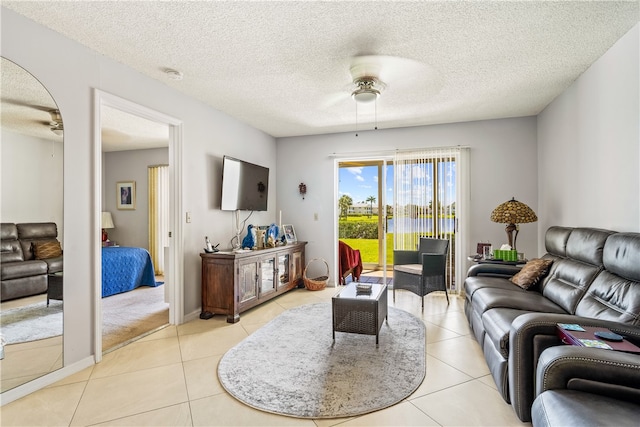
125 268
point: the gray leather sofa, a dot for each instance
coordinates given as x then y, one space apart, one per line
22 274
586 387
594 280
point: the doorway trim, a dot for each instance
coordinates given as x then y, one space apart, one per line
176 248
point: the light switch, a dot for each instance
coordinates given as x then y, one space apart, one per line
315 216
188 217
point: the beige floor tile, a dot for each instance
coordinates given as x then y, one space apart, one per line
455 321
52 406
488 380
211 343
436 333
463 353
439 376
169 331
176 415
139 355
403 414
469 404
224 410
199 326
202 377
78 377
128 394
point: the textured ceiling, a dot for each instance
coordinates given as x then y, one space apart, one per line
283 67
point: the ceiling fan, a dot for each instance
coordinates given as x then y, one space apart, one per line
371 75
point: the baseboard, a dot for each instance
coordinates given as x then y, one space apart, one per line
191 316
46 380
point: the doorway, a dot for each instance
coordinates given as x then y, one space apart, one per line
174 262
365 213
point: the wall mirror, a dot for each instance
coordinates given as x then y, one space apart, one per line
31 308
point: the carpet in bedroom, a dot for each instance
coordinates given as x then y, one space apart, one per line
132 314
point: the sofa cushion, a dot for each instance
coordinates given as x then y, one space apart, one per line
10 251
472 284
409 268
587 244
18 270
620 255
555 240
487 298
47 249
28 233
611 297
531 273
576 408
568 281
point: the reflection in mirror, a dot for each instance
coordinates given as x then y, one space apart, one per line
32 232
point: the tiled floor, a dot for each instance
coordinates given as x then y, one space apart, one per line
169 378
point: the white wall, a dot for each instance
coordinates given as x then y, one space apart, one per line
502 165
31 175
589 146
70 72
131 226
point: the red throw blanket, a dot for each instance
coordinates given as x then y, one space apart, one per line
349 260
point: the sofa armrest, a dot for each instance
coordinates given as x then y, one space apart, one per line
605 372
530 335
493 270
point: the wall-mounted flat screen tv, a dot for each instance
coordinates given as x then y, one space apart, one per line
245 186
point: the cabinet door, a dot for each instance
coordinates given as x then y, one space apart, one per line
267 275
297 266
284 266
248 281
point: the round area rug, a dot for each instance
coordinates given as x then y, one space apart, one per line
292 366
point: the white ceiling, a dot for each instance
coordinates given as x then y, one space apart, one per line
283 67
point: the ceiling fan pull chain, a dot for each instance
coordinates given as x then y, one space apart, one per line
376 112
356 119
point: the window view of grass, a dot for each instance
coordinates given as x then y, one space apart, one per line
361 232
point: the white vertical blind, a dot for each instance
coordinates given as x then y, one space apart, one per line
158 215
431 192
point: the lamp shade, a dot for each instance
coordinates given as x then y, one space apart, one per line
107 220
513 212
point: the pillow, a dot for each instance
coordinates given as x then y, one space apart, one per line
531 273
44 250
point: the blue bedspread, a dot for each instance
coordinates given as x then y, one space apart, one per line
124 269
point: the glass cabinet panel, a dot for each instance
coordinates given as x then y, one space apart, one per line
268 270
283 270
247 281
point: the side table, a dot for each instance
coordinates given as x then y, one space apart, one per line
54 286
358 312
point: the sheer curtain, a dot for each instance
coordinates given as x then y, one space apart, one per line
431 194
158 214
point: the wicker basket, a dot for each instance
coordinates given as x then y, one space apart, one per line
318 283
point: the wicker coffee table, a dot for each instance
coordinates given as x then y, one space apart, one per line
359 312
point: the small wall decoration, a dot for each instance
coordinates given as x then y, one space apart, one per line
302 188
126 195
289 233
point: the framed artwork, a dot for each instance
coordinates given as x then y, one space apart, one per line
289 233
126 195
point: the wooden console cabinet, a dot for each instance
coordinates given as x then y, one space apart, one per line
233 282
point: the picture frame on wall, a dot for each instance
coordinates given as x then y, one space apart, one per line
126 195
289 233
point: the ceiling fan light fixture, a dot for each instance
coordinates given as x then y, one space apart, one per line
55 124
366 92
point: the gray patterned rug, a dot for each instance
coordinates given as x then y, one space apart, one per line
291 366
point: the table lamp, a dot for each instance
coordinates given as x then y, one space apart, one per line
513 213
107 222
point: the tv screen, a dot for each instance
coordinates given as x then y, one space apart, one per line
245 186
